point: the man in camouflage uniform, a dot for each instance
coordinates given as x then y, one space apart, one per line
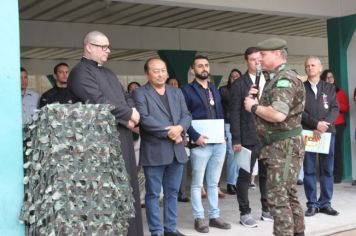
278 117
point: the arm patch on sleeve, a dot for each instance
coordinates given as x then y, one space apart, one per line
283 83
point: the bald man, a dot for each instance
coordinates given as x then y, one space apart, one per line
90 81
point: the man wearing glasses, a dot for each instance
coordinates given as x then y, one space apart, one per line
90 81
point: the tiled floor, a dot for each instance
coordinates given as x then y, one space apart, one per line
344 201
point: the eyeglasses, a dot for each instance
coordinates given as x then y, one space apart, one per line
103 47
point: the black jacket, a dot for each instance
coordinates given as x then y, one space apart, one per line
319 108
243 127
56 94
225 101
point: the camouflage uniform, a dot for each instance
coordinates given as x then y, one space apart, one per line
283 156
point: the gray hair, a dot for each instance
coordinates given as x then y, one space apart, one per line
284 53
315 58
92 36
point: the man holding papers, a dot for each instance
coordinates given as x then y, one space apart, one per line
243 130
278 119
204 102
321 110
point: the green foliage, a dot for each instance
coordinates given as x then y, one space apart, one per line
75 177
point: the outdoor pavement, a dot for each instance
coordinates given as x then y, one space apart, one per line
344 201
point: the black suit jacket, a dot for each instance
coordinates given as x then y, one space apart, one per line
156 148
242 122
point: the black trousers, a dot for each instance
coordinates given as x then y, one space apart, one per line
244 180
338 157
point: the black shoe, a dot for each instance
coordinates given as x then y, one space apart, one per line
353 182
298 234
311 211
300 182
329 211
175 233
183 199
231 189
337 180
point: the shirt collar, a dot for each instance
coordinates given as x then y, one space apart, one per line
273 73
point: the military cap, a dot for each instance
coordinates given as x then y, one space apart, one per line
272 44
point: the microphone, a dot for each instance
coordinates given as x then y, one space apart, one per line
258 76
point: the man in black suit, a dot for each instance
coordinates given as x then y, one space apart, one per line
90 81
164 120
243 130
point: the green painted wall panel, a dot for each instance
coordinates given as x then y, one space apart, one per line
178 63
340 31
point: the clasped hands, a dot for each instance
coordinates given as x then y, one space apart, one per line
321 127
175 133
135 118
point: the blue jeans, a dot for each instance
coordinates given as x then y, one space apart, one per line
168 176
232 170
207 160
326 162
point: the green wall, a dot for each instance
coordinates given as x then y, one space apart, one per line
340 31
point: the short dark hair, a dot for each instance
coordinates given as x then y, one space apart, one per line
197 57
146 67
233 70
23 69
133 82
249 51
58 65
170 78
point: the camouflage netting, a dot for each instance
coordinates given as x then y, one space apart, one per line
75 179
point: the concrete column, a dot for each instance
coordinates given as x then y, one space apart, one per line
217 79
11 170
178 63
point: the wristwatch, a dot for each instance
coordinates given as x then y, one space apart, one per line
254 108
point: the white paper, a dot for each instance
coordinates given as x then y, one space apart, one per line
321 146
243 159
213 129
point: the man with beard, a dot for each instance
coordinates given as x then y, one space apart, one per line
204 102
59 93
91 82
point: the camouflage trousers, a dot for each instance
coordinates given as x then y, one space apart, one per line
283 160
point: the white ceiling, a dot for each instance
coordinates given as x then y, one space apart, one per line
134 14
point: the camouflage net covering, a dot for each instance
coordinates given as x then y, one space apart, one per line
75 177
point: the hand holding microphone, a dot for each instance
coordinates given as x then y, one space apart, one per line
258 76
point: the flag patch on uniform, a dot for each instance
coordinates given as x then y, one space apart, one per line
283 83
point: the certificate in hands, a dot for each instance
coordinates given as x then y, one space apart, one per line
320 146
213 129
243 159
